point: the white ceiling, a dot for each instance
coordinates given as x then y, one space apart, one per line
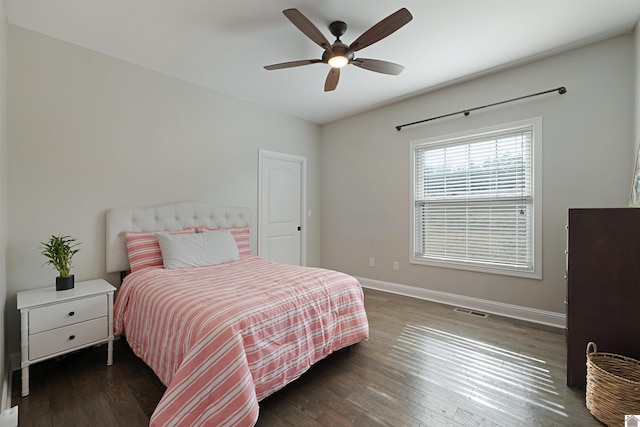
223 44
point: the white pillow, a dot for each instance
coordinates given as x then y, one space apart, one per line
197 250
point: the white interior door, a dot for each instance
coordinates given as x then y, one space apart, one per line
281 204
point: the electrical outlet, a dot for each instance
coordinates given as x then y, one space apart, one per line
396 265
372 262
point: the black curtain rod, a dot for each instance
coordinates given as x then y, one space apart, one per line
561 90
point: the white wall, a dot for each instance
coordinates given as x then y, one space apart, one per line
637 85
588 135
88 133
3 182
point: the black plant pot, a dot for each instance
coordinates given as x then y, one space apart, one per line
64 283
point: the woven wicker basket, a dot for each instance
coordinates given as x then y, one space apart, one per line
613 386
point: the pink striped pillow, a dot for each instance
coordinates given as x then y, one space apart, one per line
240 234
144 250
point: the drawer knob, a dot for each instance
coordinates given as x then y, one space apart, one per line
71 313
71 337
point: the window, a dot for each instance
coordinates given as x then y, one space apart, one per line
476 200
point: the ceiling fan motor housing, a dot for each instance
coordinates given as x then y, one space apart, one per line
337 28
338 49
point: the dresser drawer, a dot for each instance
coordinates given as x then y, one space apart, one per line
67 337
66 313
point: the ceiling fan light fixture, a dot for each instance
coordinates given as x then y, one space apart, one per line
338 61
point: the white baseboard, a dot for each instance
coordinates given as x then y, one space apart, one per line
8 413
543 317
5 402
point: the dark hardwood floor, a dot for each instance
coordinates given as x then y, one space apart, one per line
423 365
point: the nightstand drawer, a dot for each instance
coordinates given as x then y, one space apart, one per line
68 337
67 313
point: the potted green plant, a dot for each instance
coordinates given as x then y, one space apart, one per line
59 251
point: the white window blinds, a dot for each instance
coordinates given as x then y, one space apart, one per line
473 200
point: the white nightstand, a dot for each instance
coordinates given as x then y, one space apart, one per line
58 322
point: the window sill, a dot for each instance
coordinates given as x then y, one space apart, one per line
479 268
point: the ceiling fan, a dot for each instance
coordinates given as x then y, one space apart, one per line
338 54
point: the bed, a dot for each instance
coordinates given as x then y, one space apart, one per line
221 335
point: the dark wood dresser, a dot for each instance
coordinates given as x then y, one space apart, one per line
603 286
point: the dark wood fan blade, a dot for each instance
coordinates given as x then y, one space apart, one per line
378 66
291 64
332 79
382 29
307 27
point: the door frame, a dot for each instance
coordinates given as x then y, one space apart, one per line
302 162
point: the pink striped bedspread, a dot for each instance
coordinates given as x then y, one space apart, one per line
222 338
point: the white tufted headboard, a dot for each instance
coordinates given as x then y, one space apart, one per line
172 216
